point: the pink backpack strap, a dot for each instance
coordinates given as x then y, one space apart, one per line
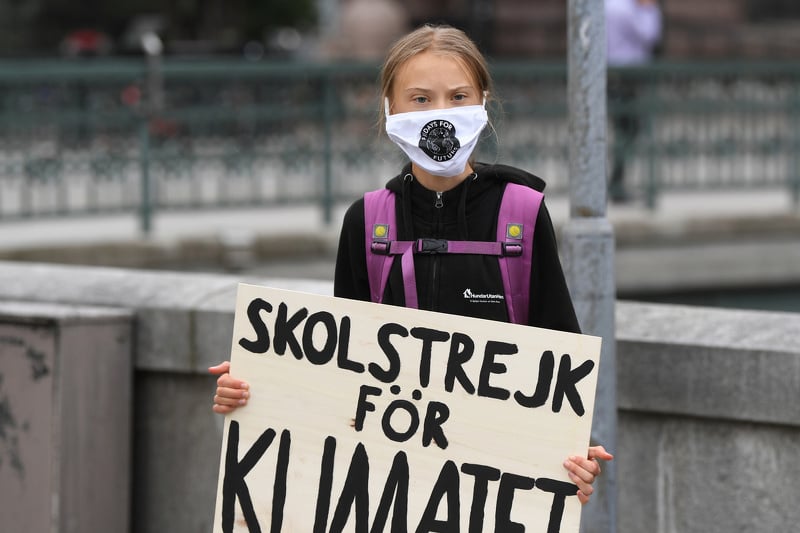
380 229
516 223
379 226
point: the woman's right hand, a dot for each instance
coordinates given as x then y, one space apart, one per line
231 392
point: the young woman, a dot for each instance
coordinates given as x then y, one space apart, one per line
434 87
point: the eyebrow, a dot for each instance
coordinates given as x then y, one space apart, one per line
454 89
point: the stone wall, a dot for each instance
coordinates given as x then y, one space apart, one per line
709 426
708 423
65 417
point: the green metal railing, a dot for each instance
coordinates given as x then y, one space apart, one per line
78 138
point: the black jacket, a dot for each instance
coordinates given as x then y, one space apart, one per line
467 212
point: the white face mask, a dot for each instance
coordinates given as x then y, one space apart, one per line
439 141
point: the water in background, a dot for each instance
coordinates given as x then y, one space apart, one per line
756 298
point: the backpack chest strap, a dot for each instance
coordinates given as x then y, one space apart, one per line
407 249
443 246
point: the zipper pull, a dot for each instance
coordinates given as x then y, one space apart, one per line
439 203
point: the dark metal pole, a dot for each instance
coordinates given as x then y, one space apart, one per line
145 201
588 239
154 103
329 104
794 171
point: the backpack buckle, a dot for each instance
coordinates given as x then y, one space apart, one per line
511 249
431 246
380 247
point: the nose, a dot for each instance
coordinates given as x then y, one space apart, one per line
441 102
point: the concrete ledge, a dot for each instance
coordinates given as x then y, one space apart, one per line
707 327
721 364
184 321
213 252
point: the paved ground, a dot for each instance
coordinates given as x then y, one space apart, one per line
689 240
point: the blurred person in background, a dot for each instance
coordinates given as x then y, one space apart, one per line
633 30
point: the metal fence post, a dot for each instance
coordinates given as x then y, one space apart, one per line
794 177
646 110
145 205
328 112
153 47
588 237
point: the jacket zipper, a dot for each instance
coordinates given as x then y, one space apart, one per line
435 267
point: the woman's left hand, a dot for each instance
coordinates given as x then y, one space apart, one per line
584 470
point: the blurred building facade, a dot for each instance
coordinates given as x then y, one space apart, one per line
712 29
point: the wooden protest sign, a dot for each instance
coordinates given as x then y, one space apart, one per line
367 418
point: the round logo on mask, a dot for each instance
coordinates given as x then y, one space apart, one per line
438 139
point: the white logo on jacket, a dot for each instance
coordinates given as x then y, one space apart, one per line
482 297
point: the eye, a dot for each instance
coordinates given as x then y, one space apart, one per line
420 99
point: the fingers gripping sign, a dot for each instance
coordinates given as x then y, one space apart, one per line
231 393
584 470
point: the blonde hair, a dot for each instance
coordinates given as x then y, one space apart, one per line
444 40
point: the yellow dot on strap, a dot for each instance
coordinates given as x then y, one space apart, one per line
514 230
380 230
